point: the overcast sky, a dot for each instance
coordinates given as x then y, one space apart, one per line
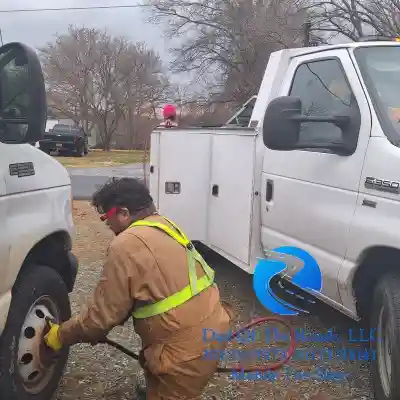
37 28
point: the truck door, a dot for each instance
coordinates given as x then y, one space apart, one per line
310 195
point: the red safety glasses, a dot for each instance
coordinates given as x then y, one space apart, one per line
109 213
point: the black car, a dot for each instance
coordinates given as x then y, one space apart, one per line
66 140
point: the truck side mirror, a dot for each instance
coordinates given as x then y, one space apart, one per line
282 122
280 131
22 95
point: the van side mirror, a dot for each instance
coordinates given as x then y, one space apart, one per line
280 130
22 95
282 123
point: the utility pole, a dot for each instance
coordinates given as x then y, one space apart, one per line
307 30
1 37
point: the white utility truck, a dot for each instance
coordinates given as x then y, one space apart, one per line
37 268
318 167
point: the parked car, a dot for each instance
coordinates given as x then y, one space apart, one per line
66 140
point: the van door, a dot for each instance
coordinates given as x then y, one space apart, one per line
231 193
309 196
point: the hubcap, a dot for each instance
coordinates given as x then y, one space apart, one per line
384 353
35 376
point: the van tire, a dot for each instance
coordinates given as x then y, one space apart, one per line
79 151
386 307
39 283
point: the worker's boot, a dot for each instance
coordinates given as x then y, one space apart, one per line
140 393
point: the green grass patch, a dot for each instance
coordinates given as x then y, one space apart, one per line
102 159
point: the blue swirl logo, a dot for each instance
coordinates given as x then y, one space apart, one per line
309 278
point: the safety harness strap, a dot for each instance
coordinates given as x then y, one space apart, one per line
173 301
195 285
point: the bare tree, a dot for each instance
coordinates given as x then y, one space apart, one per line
146 86
228 42
67 65
101 80
356 18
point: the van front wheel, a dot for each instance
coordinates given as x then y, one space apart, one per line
385 318
24 373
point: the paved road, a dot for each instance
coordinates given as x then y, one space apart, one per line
85 181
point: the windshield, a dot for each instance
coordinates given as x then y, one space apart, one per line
64 130
380 68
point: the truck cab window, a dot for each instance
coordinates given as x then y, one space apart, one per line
323 89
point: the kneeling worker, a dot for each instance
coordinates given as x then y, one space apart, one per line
154 274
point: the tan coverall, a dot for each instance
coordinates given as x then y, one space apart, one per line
146 265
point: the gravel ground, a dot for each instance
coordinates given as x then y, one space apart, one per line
104 373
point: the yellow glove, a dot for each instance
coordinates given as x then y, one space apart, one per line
52 338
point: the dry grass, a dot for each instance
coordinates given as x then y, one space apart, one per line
101 373
100 158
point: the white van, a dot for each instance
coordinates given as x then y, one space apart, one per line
37 267
317 168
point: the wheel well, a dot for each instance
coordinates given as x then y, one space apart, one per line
51 251
374 263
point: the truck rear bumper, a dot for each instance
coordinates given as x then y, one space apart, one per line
57 146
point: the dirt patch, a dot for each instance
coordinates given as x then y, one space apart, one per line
103 373
102 159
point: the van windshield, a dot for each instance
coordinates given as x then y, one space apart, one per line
380 69
65 130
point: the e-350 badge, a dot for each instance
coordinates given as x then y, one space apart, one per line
382 185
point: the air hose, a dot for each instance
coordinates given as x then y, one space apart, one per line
244 328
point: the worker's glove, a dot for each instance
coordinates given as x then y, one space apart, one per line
52 337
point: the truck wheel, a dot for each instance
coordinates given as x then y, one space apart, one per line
385 318
40 293
80 151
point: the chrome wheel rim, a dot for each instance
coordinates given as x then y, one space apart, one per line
35 377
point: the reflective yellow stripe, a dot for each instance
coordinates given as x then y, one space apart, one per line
192 273
179 231
195 285
207 269
180 239
172 301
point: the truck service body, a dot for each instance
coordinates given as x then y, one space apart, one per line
334 193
